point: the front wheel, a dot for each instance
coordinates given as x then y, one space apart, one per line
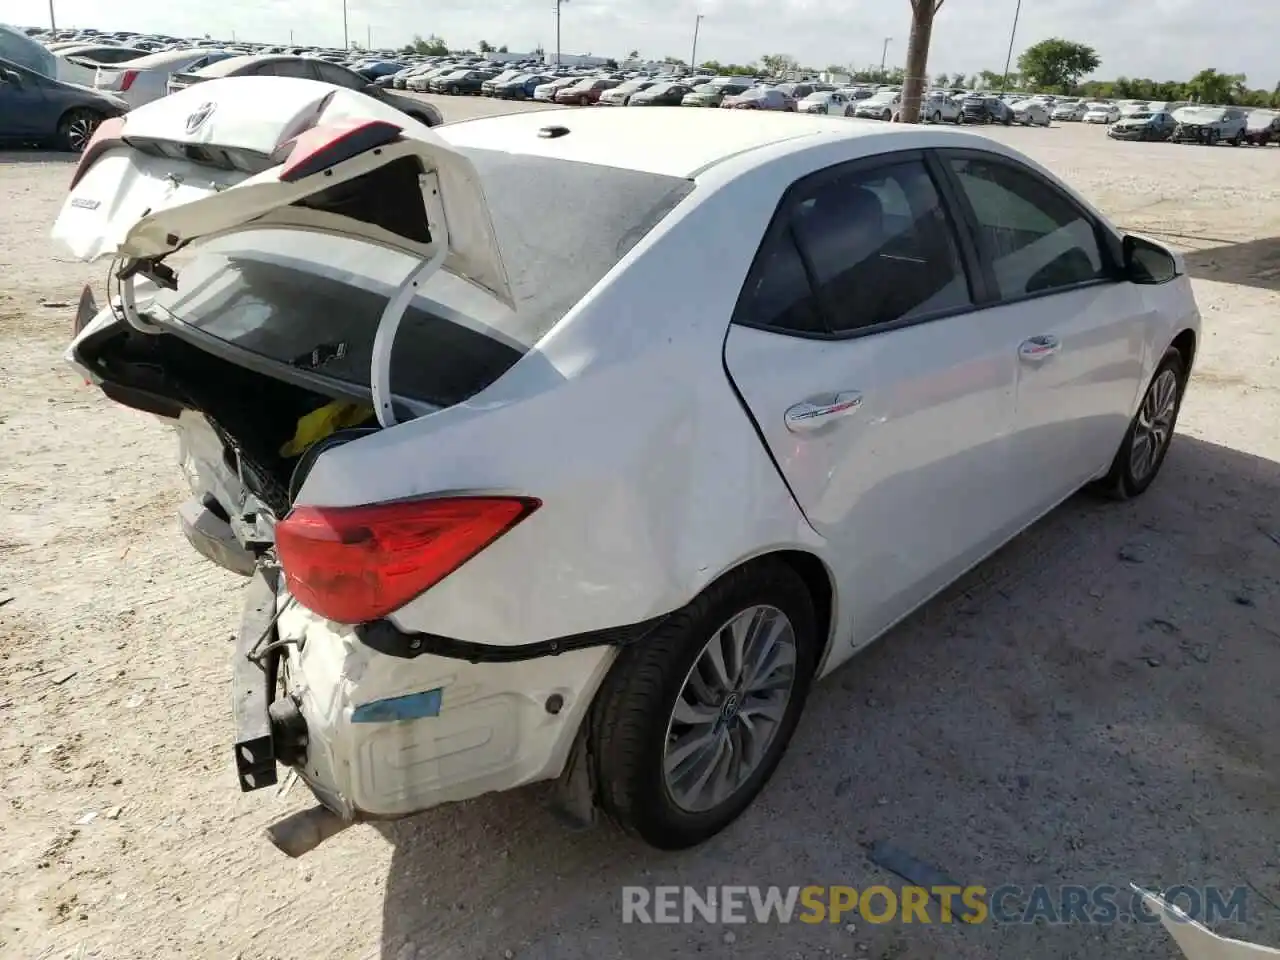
453 90
937 117
76 129
691 723
1145 444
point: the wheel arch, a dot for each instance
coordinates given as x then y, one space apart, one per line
79 108
1185 344
817 578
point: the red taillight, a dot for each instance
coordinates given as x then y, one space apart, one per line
356 564
127 78
107 135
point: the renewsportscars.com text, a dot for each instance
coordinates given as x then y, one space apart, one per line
1007 904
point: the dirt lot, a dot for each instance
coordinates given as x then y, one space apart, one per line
1097 704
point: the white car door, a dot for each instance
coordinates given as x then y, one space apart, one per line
884 396
1080 360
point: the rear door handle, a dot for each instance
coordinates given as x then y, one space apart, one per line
1038 348
812 414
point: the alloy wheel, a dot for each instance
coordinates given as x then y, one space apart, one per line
80 131
729 709
1154 426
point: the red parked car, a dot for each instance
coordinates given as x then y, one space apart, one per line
586 91
760 98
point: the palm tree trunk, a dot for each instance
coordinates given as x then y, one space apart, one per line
918 57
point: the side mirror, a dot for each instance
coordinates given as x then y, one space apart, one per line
11 76
372 88
1147 262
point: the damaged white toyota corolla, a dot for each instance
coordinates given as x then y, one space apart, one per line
577 446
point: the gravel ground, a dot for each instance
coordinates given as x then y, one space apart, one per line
1096 704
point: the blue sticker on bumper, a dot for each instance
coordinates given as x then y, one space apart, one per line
412 706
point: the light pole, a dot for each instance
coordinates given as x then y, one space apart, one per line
346 41
884 53
53 24
368 37
558 5
1004 82
693 57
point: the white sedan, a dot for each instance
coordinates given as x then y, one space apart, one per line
939 106
1031 113
589 510
832 103
1101 113
1072 111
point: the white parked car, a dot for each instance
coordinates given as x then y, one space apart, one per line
1031 113
1072 111
140 81
518 510
1101 113
940 106
829 102
882 105
546 92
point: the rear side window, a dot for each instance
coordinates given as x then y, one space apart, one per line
288 68
18 48
858 251
1036 239
313 301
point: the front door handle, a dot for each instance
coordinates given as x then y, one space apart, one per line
812 414
1038 348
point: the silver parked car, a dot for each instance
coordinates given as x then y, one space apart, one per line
140 81
1211 125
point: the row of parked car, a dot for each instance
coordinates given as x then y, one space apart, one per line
56 94
579 88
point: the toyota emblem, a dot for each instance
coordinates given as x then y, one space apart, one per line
197 119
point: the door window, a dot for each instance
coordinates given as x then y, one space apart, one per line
858 251
340 77
1036 239
880 247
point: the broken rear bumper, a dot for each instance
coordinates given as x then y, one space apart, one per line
387 735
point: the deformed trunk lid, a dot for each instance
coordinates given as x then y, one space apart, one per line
151 189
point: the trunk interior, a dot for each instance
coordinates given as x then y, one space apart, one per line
254 414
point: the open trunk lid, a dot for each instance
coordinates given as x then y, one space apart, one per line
278 151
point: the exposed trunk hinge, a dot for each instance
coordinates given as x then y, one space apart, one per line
389 322
159 274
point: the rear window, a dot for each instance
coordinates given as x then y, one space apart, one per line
313 301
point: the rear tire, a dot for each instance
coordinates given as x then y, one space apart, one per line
660 700
1133 471
937 117
76 129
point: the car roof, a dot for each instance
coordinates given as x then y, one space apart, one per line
167 57
669 141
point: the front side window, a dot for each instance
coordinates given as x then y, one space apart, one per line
1035 238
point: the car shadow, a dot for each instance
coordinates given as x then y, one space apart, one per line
1093 704
1253 263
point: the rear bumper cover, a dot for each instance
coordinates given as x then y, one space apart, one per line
388 736
396 723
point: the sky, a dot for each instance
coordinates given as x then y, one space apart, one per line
1161 39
